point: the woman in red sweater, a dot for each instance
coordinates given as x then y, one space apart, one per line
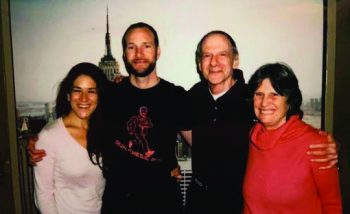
280 177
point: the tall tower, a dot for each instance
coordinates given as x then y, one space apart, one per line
108 63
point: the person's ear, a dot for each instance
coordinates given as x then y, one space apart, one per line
199 65
235 62
158 52
68 97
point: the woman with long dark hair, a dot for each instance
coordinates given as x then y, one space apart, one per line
66 181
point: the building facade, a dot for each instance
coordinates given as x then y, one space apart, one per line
108 63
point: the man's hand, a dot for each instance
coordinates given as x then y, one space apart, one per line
326 151
119 78
34 155
187 136
176 173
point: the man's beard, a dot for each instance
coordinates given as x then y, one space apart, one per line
131 70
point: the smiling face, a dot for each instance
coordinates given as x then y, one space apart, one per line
141 53
270 108
217 61
83 98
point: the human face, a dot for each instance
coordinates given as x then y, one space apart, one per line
141 54
83 97
270 108
218 60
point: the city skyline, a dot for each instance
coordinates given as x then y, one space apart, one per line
49 37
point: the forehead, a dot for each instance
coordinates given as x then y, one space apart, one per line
83 80
139 35
266 85
216 41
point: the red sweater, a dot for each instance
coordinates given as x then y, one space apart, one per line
280 177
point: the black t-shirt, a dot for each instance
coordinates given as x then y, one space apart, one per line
141 127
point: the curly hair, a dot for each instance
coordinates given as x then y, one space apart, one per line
63 106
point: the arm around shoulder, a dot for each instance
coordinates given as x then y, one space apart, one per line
325 152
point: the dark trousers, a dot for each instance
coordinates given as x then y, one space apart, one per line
154 197
202 199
